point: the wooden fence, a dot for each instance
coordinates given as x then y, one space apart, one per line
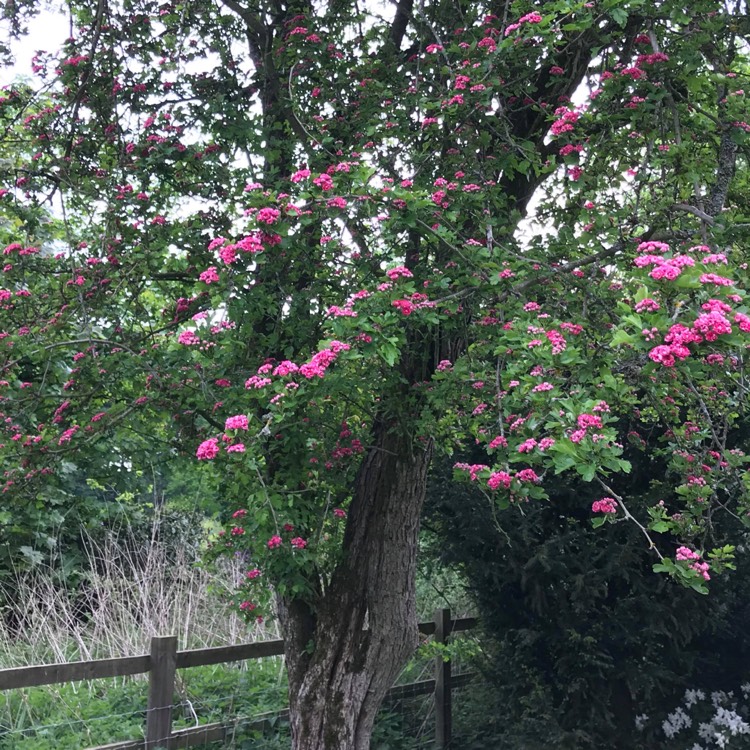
164 659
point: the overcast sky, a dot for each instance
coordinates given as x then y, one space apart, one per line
46 32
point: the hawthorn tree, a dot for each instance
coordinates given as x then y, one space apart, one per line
294 239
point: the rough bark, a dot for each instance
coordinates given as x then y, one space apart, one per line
343 658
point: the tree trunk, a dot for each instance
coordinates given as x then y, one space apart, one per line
343 656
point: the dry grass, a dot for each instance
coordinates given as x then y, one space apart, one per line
132 593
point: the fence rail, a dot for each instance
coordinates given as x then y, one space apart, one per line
164 659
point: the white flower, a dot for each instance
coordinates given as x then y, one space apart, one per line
675 722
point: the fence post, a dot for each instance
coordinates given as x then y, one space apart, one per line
442 682
161 691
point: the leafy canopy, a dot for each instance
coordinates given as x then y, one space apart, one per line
263 233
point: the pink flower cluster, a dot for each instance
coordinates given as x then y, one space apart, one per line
685 554
208 449
209 276
712 278
665 268
533 17
394 273
237 422
708 326
604 505
499 479
252 243
712 325
299 175
647 305
320 362
316 367
584 422
568 118
268 215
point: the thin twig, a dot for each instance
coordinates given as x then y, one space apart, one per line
630 517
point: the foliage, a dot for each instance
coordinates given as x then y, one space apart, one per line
294 239
72 716
579 637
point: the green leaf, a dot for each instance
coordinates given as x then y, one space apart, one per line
622 337
620 16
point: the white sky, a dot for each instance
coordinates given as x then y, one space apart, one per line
46 32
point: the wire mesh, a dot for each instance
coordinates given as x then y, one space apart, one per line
87 714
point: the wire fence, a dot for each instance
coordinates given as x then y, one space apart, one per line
205 698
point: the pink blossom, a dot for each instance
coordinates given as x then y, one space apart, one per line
253 574
237 422
653 247
274 542
68 434
298 543
605 505
559 344
647 304
209 276
527 446
257 382
394 273
712 325
253 243
716 305
268 215
188 338
285 368
404 306
712 278
665 271
208 449
714 258
473 469
662 355
527 475
498 442
324 182
589 420
533 17
299 175
685 554
228 255
341 312
499 478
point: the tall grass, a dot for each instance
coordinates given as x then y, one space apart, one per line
134 586
132 589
